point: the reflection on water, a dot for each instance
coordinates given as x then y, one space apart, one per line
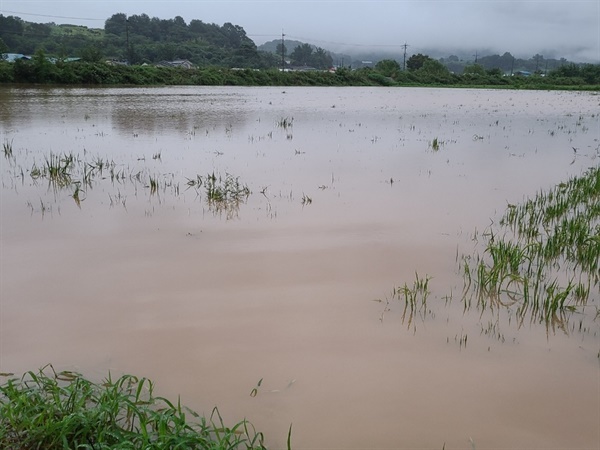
114 256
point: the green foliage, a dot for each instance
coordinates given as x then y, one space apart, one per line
380 79
41 70
388 68
474 69
301 56
496 72
92 54
587 73
63 410
6 72
434 72
42 67
417 61
305 55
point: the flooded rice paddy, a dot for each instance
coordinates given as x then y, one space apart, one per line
209 238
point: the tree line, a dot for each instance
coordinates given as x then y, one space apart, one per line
421 71
139 39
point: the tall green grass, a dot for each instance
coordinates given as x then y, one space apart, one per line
49 410
542 261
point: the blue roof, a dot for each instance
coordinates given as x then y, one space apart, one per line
12 57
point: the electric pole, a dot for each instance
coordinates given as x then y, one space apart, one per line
127 36
405 47
475 55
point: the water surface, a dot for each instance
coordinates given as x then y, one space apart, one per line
349 198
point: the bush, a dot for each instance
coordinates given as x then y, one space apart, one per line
6 72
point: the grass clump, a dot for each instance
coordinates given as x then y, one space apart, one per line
414 300
63 410
224 194
225 189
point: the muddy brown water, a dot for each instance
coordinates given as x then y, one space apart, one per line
346 203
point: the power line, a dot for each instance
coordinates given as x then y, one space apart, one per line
53 17
305 39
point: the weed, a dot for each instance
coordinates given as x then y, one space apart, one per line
254 391
49 409
153 185
57 169
285 122
223 193
77 195
7 148
306 200
414 299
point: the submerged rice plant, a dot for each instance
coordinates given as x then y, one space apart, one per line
285 122
413 298
7 148
543 261
57 169
224 194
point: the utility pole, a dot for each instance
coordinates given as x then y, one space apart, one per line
405 47
127 36
475 55
282 52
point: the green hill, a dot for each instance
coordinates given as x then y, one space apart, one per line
138 39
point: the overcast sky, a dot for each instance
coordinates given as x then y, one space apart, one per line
569 29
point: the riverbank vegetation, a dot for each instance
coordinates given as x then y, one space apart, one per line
63 410
41 70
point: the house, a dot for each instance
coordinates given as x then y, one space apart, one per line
184 63
115 62
12 57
